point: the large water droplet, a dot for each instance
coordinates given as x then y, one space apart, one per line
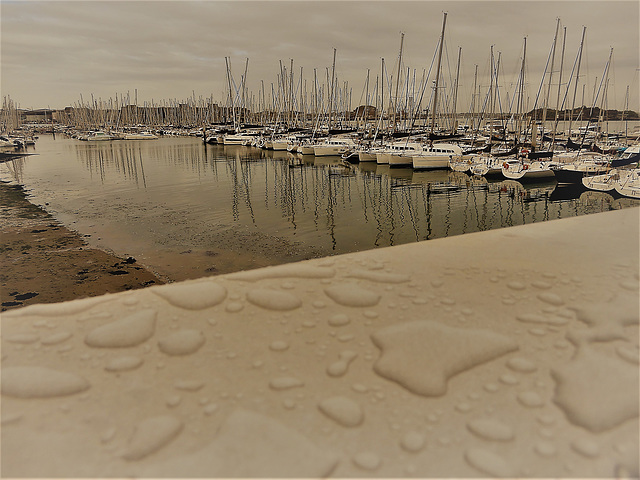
273 299
152 434
40 382
126 332
192 295
342 410
183 342
422 356
491 429
350 295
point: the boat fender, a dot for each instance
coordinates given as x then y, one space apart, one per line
505 165
525 166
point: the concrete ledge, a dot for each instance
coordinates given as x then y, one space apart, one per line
507 353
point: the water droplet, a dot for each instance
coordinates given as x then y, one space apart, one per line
463 407
588 390
360 388
108 435
151 435
628 353
234 307
551 298
279 346
546 449
491 429
542 285
196 295
521 365
515 285
342 410
285 383
188 385
173 401
367 460
339 368
509 379
210 408
273 299
488 462
530 399
586 447
413 441
40 382
183 342
352 295
421 356
339 320
123 364
126 332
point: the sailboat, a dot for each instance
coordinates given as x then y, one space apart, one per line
436 155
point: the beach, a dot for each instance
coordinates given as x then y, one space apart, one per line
44 262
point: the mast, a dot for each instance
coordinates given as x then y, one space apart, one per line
575 89
546 101
395 104
333 74
435 93
455 93
555 125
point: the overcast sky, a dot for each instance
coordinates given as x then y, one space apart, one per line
55 51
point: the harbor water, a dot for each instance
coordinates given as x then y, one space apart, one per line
186 209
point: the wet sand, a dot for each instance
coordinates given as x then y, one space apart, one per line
42 261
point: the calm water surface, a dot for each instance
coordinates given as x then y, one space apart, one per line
185 209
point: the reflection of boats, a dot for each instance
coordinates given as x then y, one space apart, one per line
568 191
327 160
528 191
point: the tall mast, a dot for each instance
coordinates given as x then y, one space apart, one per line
435 93
333 74
546 101
395 104
575 88
455 92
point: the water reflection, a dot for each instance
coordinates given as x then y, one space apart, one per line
198 189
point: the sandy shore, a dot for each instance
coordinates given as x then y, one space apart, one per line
43 262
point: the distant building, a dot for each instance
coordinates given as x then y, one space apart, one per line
39 116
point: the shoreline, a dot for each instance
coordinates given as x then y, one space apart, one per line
42 261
